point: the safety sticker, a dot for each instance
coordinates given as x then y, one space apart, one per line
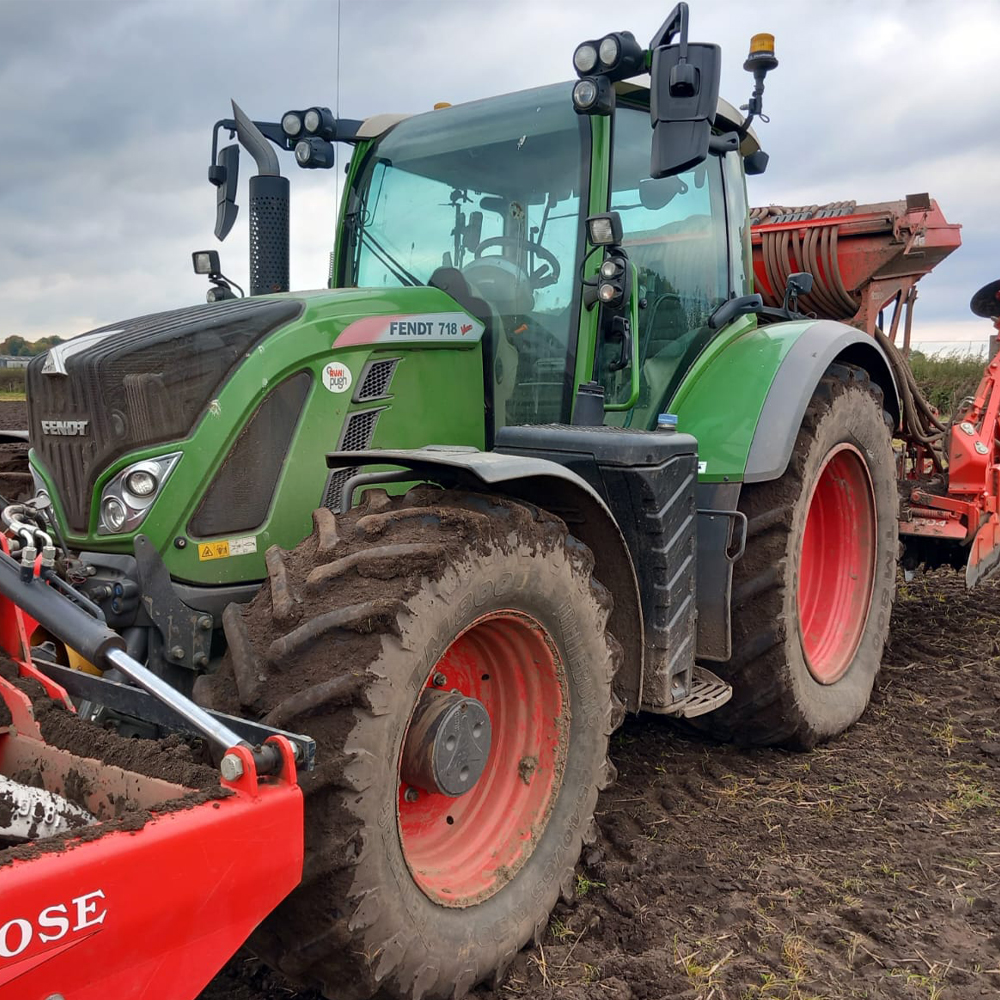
228 547
419 328
337 377
702 467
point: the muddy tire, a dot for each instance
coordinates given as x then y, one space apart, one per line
813 592
398 604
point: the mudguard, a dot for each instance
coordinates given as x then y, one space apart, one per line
556 489
745 397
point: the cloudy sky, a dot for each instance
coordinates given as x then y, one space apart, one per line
107 107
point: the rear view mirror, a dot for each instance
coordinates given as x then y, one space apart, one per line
225 176
684 96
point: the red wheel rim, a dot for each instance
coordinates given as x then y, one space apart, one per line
837 568
462 850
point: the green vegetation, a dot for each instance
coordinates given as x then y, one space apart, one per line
12 383
18 347
946 379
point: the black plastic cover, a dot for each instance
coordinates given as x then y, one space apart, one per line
149 380
240 495
648 479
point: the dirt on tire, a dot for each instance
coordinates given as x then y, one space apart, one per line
342 643
865 868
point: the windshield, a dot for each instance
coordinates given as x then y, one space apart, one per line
494 190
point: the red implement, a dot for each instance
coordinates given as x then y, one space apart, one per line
153 910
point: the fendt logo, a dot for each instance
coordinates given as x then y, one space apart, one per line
65 428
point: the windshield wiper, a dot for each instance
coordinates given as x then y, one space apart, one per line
388 261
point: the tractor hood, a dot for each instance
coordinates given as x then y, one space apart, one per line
147 381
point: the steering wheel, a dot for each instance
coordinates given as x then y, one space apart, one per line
537 280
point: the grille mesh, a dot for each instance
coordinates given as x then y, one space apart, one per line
358 430
356 436
240 494
375 379
335 486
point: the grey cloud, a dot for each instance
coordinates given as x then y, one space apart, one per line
107 109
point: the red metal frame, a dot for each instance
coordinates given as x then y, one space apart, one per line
153 912
863 258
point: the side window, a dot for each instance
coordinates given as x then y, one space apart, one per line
739 224
676 236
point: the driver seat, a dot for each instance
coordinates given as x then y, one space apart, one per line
504 356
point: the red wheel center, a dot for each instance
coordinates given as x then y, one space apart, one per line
462 849
837 566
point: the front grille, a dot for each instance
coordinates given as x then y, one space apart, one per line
240 495
375 379
359 429
145 381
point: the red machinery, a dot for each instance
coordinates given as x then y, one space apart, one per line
865 258
134 910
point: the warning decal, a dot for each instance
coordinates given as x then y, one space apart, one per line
227 547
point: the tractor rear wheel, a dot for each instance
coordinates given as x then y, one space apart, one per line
449 654
813 592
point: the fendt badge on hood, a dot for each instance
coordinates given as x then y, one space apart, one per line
65 428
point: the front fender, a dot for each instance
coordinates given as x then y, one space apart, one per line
745 397
556 489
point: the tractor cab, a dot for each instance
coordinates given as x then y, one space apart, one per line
489 201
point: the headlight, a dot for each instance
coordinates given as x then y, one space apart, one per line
127 498
114 514
141 483
291 124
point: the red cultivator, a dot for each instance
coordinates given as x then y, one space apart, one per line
152 898
865 259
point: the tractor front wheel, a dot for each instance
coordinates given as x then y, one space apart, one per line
449 654
814 590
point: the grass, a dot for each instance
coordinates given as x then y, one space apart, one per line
12 397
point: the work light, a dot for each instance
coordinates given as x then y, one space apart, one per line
605 229
593 95
291 123
585 58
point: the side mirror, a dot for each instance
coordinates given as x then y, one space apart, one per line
684 96
799 283
225 176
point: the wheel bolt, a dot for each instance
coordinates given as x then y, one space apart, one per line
411 795
439 680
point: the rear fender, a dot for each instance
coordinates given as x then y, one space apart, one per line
559 491
745 397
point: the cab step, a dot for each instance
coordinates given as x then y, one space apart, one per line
708 692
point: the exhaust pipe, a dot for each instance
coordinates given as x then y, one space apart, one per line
269 198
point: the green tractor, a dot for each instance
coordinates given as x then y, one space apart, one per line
538 456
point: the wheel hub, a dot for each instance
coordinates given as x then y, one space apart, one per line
448 744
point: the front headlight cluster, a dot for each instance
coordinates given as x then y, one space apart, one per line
126 499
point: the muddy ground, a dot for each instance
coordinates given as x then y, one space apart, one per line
867 868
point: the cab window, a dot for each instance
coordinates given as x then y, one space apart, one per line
676 236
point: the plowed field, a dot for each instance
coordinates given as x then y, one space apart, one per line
866 868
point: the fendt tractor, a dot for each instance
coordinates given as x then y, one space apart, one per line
403 551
